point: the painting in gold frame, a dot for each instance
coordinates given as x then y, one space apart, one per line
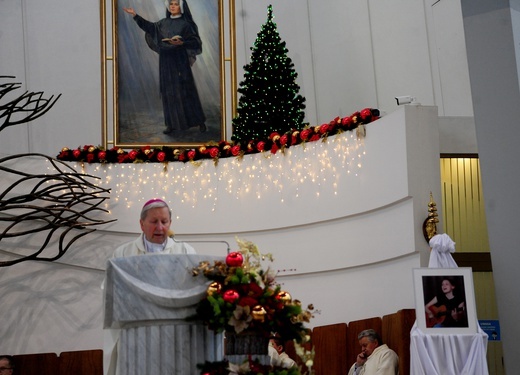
139 118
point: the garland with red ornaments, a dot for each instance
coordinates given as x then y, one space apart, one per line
223 149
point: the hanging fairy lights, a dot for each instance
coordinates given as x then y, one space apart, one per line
314 168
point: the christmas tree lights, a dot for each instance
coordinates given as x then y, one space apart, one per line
269 99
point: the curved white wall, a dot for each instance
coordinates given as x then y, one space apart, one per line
347 248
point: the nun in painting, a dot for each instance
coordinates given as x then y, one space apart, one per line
176 40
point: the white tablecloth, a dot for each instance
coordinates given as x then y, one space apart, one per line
443 354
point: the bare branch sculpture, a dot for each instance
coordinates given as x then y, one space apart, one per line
59 203
23 108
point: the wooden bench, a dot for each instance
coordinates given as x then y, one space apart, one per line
336 347
84 362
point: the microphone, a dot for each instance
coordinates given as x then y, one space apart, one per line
203 241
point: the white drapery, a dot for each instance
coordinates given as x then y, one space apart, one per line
448 354
147 301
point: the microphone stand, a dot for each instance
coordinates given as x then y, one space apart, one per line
202 241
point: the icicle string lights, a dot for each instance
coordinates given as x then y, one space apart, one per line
319 167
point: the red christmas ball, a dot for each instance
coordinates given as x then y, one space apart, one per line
234 259
161 156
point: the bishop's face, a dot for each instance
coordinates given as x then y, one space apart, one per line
156 224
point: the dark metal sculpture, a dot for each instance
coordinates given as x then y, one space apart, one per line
58 203
23 108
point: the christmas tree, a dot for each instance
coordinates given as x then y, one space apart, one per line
269 100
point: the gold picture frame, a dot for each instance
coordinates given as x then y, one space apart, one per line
136 104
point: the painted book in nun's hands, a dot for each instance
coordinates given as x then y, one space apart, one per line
173 38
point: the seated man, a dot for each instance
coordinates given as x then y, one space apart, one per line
375 357
278 356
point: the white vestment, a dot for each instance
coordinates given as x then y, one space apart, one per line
382 361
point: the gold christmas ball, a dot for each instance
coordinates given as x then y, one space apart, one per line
64 149
91 149
120 151
213 288
258 313
284 296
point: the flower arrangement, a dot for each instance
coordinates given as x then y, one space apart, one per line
306 353
223 149
244 297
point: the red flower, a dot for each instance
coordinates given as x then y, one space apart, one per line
90 158
248 301
314 138
191 154
284 139
76 153
102 155
260 146
182 157
161 156
255 290
230 296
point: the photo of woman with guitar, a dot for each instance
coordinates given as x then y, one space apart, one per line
448 307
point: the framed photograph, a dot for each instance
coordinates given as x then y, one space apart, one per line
168 72
445 300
